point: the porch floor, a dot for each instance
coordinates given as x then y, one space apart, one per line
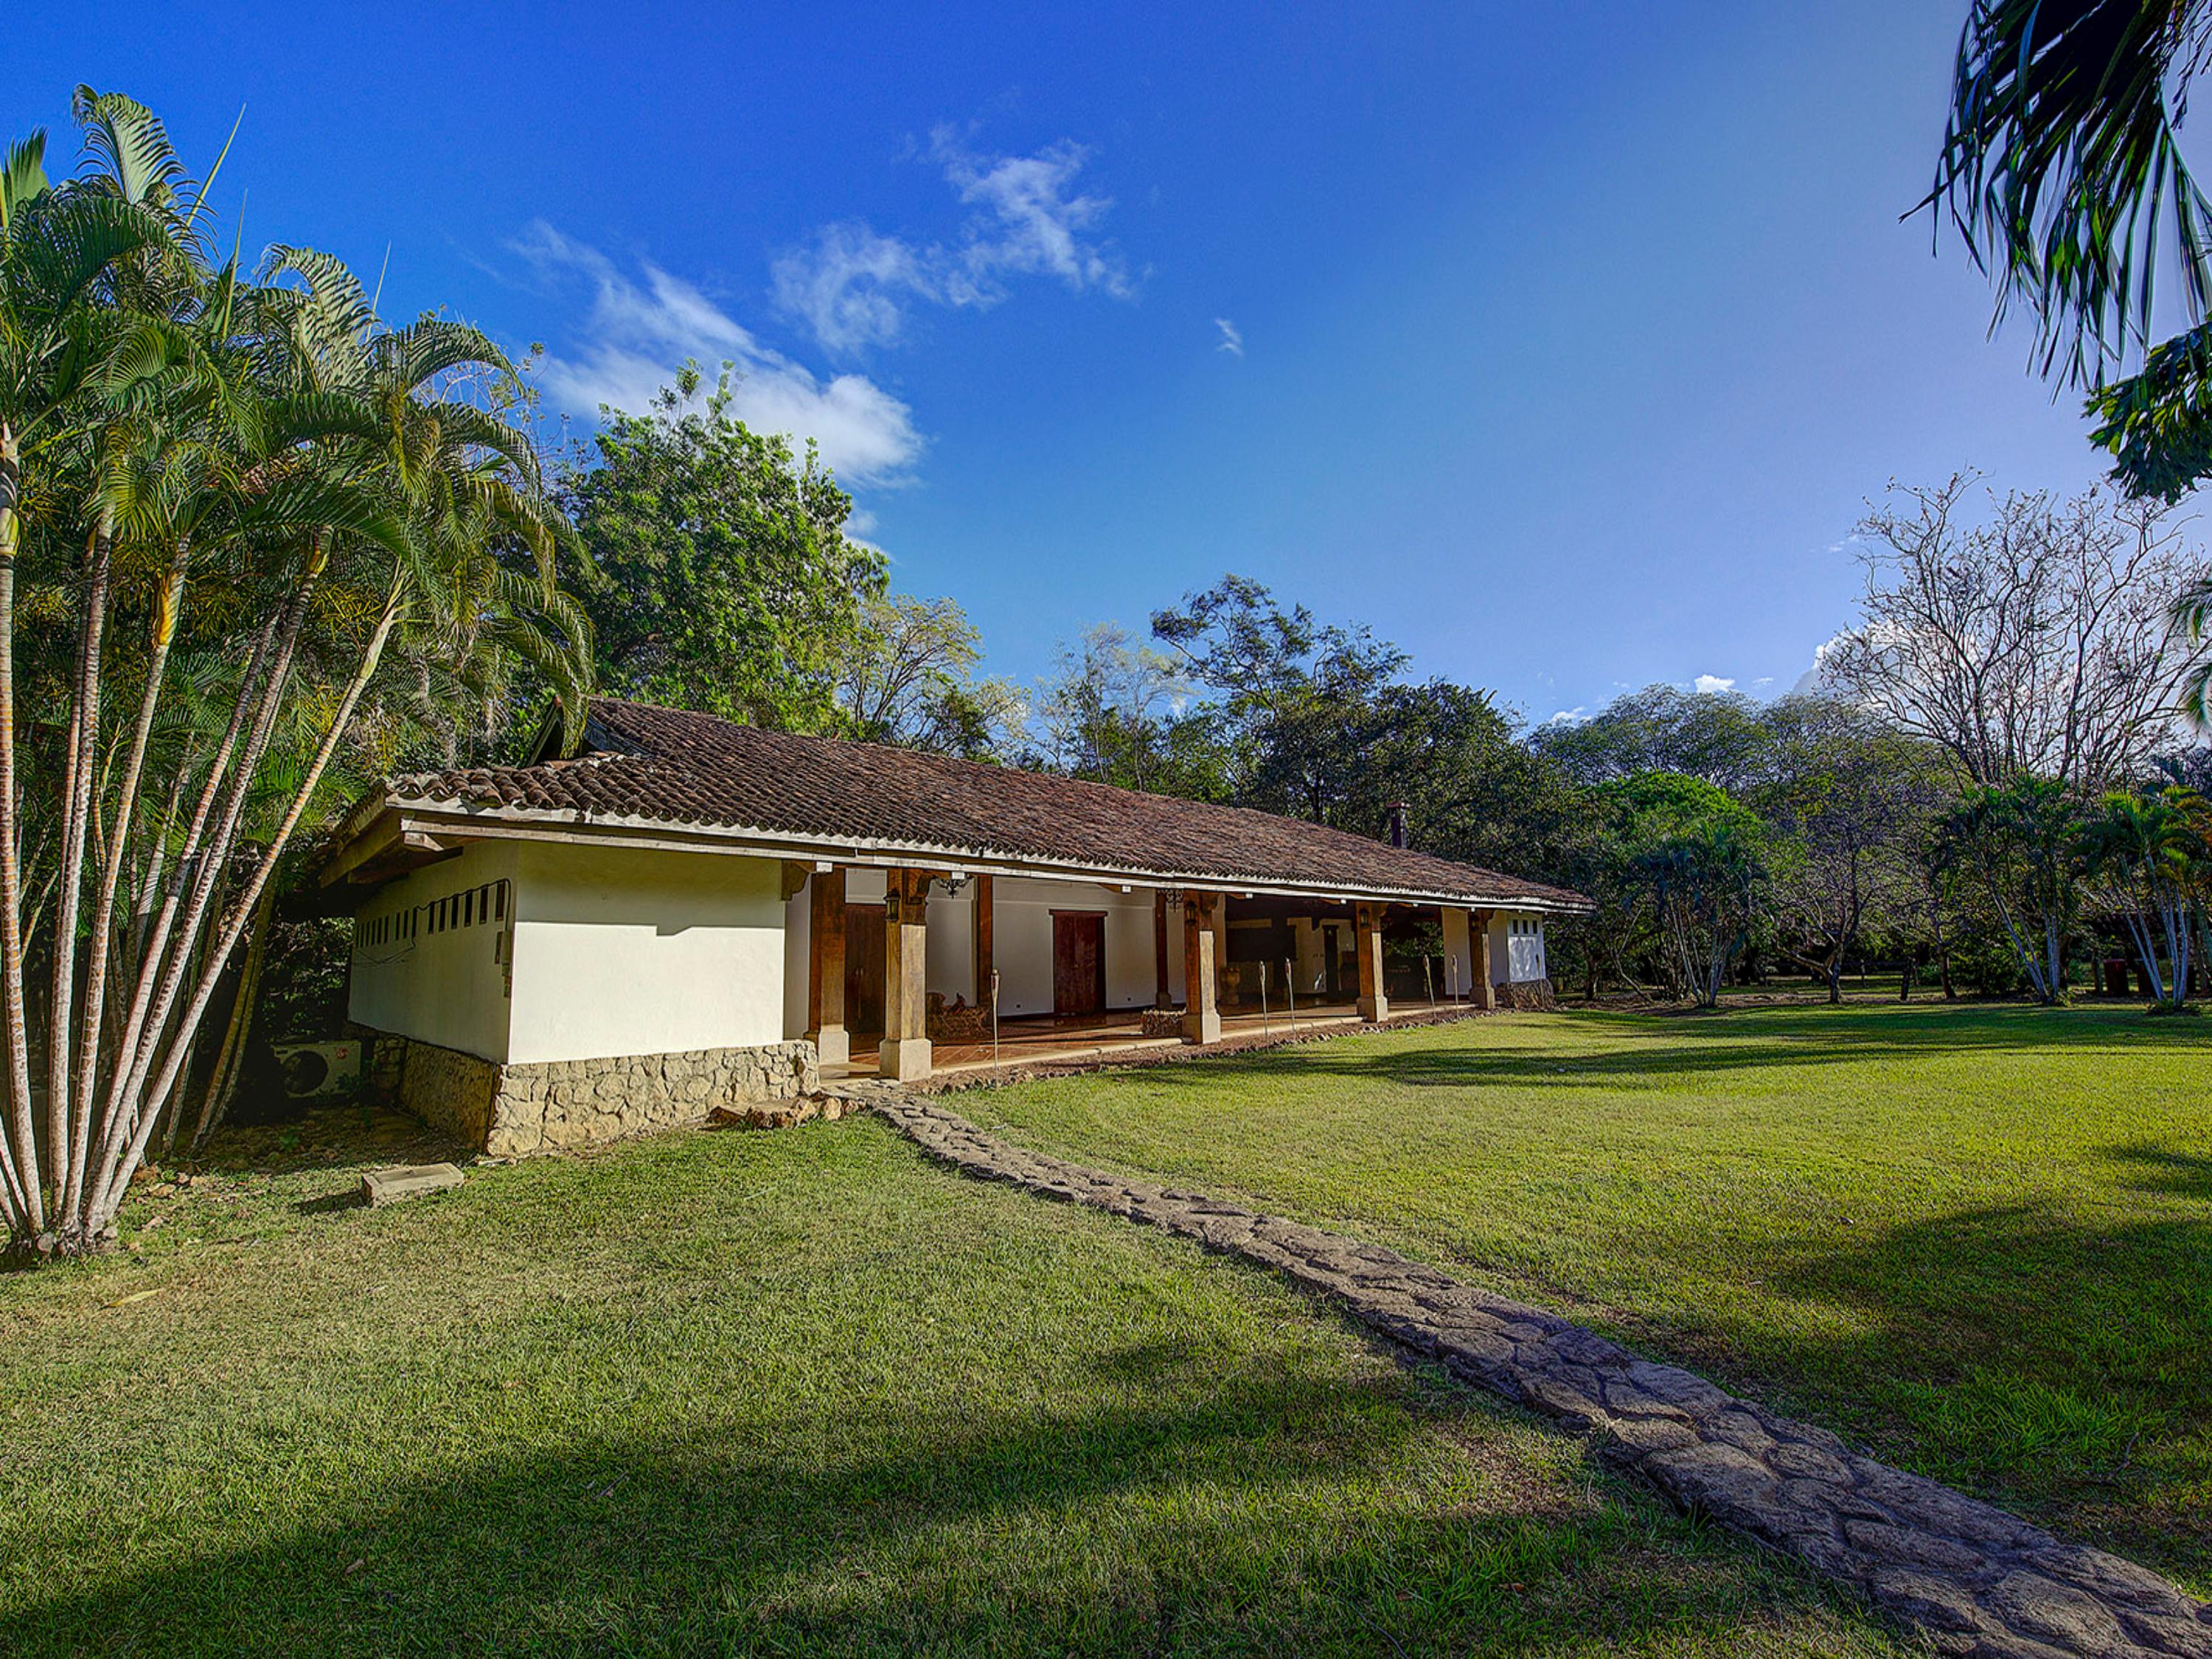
1035 1039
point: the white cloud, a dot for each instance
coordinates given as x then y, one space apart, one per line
849 287
1574 716
1813 677
852 285
639 333
1706 685
1232 338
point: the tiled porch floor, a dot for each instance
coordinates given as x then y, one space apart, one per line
1035 1039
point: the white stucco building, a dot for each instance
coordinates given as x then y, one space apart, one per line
690 913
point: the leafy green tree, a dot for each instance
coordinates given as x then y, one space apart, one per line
1721 737
721 577
1295 698
907 676
1470 788
1687 860
1848 800
2022 843
2146 852
1115 711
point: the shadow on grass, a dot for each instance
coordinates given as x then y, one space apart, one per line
2047 1362
2160 1169
1207 1526
1731 1040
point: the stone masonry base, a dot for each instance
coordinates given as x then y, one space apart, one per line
512 1112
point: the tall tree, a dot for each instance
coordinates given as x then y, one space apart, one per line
1848 801
719 575
2040 639
1718 735
907 676
1292 693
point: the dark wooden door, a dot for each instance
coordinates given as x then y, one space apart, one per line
1078 962
864 968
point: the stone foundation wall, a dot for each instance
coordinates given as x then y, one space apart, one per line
512 1112
1532 996
565 1103
1161 1022
446 1089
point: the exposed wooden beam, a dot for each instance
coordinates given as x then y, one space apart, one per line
825 968
904 1055
1201 1012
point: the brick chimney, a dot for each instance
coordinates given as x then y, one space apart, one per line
1397 823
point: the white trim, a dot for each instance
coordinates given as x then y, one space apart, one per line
570 825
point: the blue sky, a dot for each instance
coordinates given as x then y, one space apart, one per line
1563 344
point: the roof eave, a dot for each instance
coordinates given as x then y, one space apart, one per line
567 825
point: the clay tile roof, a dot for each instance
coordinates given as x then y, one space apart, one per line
643 764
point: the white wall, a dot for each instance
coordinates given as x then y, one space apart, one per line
1021 941
1458 944
798 930
1517 948
445 986
621 951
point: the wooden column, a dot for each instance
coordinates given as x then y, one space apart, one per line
1159 947
825 967
1373 1003
986 958
1486 990
904 1056
1201 921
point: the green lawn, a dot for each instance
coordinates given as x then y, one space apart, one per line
1975 1238
799 1392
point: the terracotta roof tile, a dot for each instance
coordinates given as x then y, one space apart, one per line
664 766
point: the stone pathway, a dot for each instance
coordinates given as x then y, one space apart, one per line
1979 1581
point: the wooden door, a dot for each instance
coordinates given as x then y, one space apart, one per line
864 968
1079 962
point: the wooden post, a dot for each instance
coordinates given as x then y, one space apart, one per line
1373 1003
1202 921
904 1056
1159 947
1486 990
825 968
985 949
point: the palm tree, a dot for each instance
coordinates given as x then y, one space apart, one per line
2147 849
2062 169
281 490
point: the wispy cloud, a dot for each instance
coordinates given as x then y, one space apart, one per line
852 286
1233 337
640 330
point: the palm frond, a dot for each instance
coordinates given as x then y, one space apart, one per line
2061 167
22 175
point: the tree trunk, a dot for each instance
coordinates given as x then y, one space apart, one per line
103 918
223 1087
79 770
117 1171
20 1171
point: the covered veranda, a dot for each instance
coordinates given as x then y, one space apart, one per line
908 971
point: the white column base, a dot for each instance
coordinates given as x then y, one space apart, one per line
833 1045
903 1059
